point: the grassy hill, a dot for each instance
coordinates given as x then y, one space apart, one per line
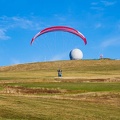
48 70
89 65
89 89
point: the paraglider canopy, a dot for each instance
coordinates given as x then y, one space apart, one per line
60 28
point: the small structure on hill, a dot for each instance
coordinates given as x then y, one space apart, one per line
101 56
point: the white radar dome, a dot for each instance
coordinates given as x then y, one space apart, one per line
76 54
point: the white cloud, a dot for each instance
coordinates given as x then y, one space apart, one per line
20 22
7 23
108 3
110 42
101 5
3 35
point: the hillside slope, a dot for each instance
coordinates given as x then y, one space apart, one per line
99 65
88 69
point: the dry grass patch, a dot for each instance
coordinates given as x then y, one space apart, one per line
23 90
39 108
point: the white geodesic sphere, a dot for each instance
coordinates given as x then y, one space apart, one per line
76 54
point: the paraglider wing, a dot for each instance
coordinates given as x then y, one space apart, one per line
60 28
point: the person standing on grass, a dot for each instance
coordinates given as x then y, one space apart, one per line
59 73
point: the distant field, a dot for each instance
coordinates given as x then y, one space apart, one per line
88 90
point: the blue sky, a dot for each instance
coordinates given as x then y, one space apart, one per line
20 20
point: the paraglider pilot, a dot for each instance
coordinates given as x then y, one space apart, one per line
59 73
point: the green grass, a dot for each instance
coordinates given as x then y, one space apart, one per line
78 100
88 87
